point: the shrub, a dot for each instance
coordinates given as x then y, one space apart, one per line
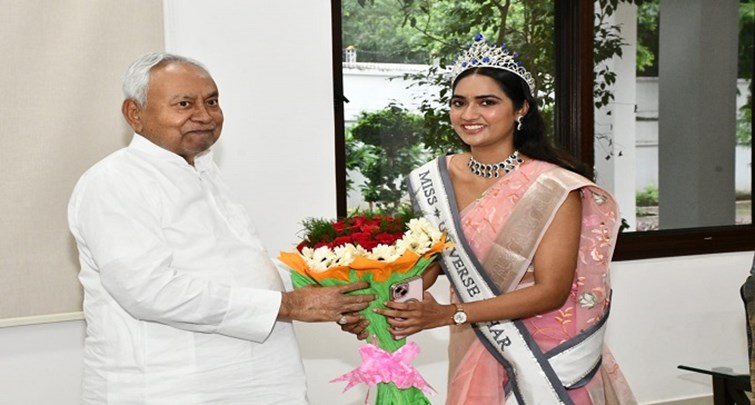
647 197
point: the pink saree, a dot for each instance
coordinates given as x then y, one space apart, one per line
477 376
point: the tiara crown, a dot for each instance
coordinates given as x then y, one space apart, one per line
483 53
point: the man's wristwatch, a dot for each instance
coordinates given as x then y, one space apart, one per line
460 317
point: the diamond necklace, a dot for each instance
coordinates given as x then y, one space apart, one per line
484 170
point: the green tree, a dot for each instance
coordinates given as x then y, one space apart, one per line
433 31
746 35
744 124
404 30
648 13
378 33
526 26
388 147
447 26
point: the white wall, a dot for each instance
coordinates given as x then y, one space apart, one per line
666 311
372 86
272 64
41 364
683 310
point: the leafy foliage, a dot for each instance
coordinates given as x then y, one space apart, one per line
746 51
746 37
744 124
389 146
443 27
367 224
378 32
607 45
647 197
432 31
648 13
448 26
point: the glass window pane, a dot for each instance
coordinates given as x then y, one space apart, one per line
397 114
674 130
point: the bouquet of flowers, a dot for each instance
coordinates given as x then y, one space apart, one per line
382 250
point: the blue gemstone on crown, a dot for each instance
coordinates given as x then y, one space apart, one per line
482 53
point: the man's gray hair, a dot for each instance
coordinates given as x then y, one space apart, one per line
136 80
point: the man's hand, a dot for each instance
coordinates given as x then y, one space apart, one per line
357 327
323 304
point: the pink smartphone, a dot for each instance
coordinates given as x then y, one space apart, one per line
408 290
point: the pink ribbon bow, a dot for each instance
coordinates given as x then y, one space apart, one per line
380 366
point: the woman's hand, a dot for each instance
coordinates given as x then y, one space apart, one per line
407 318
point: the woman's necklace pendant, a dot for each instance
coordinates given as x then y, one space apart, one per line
493 170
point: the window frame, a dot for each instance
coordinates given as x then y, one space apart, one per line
574 130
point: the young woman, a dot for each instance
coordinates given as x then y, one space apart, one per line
534 238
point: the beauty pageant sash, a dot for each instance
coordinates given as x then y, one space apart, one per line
534 377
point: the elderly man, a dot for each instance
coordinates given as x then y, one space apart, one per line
747 291
182 302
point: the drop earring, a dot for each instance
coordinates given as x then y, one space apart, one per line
519 123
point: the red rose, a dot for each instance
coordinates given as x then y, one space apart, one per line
370 226
319 245
394 228
341 240
386 238
359 236
353 223
369 244
302 245
364 240
358 220
338 226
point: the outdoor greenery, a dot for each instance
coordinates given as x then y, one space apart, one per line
385 146
648 12
647 197
433 31
746 50
379 34
746 37
744 124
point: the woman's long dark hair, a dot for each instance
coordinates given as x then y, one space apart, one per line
531 140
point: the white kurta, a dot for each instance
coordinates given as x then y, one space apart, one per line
180 296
